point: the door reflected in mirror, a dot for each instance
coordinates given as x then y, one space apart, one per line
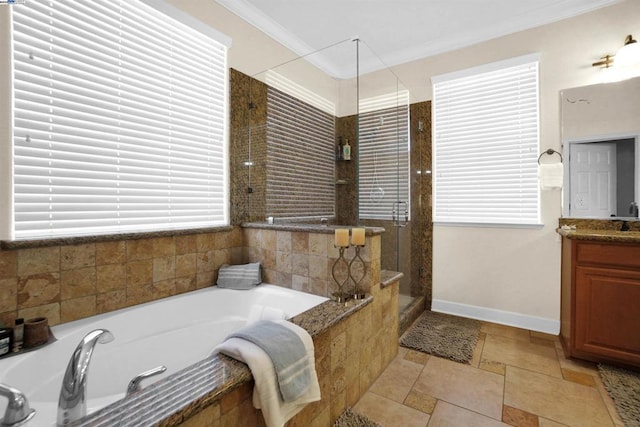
602 178
600 132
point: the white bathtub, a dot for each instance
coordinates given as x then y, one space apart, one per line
175 332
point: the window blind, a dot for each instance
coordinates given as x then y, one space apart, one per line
300 158
485 126
120 120
384 155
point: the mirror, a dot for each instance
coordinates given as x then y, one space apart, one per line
600 128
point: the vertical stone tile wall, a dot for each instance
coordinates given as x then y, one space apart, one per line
248 142
421 244
70 282
303 260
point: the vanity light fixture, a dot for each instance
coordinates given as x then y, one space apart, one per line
627 55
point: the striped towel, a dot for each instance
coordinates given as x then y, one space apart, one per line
287 353
243 276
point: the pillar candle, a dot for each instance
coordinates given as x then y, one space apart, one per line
342 237
357 236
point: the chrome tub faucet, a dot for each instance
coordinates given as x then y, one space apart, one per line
72 404
18 411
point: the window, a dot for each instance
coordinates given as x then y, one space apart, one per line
485 126
120 121
384 155
300 158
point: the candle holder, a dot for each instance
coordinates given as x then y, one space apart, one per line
357 292
340 295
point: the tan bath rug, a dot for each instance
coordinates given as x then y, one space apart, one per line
623 385
349 418
443 335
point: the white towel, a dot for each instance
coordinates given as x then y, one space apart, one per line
266 394
550 175
262 312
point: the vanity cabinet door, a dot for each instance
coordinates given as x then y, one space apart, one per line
607 314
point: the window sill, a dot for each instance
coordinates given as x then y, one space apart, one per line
487 225
78 240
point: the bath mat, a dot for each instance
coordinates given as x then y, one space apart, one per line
443 335
349 418
623 386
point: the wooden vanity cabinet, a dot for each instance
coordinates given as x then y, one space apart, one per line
600 307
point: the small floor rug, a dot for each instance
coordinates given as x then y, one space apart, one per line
349 418
623 386
443 335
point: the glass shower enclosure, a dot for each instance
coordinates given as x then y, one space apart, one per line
381 183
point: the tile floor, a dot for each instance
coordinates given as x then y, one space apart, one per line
516 378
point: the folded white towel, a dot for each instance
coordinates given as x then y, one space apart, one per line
266 393
551 176
262 312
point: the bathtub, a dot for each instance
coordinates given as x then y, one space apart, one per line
175 332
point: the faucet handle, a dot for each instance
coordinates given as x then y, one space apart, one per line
18 411
134 384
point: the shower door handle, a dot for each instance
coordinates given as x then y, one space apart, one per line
397 208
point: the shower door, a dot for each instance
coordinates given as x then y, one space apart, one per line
384 179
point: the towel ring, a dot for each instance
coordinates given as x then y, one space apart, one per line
550 152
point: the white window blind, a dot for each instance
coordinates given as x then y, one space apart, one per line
300 158
120 120
485 126
384 155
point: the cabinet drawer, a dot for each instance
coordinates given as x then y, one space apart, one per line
608 254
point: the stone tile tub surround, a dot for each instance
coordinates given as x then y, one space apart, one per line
301 256
81 277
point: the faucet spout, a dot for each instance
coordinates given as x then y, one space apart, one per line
72 404
18 411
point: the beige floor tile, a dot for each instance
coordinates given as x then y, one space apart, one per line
578 377
397 379
505 331
388 413
416 356
491 366
543 422
544 336
577 365
462 385
448 415
608 402
477 351
553 398
420 401
518 417
523 354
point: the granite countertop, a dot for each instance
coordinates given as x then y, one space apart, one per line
600 230
601 235
388 277
310 228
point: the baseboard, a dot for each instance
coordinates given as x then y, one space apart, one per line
509 318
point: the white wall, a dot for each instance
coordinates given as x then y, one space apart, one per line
512 276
